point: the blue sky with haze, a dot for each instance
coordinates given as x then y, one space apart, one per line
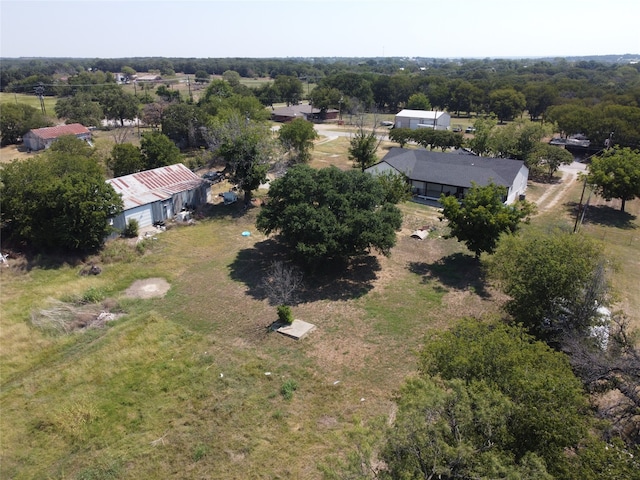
313 28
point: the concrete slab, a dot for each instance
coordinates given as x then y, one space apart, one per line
298 329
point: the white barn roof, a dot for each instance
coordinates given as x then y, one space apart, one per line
420 114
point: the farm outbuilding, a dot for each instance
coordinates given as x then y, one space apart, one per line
157 195
415 119
42 138
306 112
432 174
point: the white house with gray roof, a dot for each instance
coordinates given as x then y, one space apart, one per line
432 174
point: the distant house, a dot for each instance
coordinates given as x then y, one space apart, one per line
157 195
149 78
306 112
415 119
41 138
432 174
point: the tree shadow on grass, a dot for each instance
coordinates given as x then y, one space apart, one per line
333 280
457 271
220 210
607 216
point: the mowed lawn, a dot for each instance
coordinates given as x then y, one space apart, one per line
190 385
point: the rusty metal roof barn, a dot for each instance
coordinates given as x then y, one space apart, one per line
153 185
60 130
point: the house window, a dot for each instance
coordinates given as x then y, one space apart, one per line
434 190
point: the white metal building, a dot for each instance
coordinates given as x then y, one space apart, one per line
415 119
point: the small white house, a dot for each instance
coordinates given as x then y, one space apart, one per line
415 119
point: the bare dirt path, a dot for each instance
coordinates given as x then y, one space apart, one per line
555 193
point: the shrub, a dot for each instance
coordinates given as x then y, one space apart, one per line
132 228
287 389
284 314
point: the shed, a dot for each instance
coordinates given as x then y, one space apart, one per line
415 119
42 138
157 195
432 174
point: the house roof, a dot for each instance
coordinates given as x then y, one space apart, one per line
48 133
154 185
452 169
420 114
294 111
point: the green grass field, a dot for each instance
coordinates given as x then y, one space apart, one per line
191 385
32 100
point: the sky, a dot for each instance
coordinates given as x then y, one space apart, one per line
318 28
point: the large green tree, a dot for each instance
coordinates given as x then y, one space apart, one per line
297 136
328 214
547 159
289 88
506 103
125 159
158 150
16 119
616 174
57 200
80 108
118 105
481 217
524 403
247 148
554 280
185 125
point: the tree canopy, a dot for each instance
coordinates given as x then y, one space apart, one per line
246 147
298 136
328 214
482 217
490 402
616 174
16 119
57 200
158 150
554 281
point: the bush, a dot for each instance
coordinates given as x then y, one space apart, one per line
132 228
287 389
284 314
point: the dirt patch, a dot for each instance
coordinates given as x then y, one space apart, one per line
148 288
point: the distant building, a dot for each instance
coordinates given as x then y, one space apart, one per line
41 138
157 195
149 78
306 112
415 119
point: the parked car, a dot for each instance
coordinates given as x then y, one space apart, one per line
470 130
214 177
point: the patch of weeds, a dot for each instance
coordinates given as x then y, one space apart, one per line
199 452
100 472
118 251
278 415
144 245
93 295
287 389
